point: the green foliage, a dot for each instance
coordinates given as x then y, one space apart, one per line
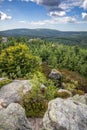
21 58
72 58
79 92
72 85
67 38
17 61
62 94
34 102
74 80
38 77
35 106
45 69
4 82
50 92
55 55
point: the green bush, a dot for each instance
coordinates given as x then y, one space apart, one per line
38 77
50 92
17 61
34 102
35 106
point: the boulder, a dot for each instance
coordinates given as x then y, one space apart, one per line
55 74
65 114
80 98
13 118
13 92
2 79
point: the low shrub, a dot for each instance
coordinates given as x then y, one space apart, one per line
35 106
17 61
62 94
34 102
50 92
79 92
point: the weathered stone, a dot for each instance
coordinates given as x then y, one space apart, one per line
13 118
43 86
55 74
65 114
81 99
2 79
12 92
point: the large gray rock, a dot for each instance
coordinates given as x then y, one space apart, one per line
55 74
13 92
65 114
13 118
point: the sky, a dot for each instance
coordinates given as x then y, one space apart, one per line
63 15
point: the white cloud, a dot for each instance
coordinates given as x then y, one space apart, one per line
65 19
53 21
84 4
84 15
56 13
69 4
4 16
60 7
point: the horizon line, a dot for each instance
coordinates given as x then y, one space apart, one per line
44 29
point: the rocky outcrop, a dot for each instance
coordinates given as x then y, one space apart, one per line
12 92
65 114
13 118
55 74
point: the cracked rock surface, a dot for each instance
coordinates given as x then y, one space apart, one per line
12 92
13 118
65 114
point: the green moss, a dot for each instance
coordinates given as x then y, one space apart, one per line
62 94
4 82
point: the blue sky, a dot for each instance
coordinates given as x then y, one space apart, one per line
64 15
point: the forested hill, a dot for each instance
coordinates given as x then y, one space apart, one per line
68 38
30 32
41 33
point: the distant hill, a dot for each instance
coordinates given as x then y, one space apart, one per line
39 33
70 38
30 32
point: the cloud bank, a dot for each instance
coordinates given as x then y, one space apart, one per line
60 8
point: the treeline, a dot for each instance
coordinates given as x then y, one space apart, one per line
55 55
59 56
